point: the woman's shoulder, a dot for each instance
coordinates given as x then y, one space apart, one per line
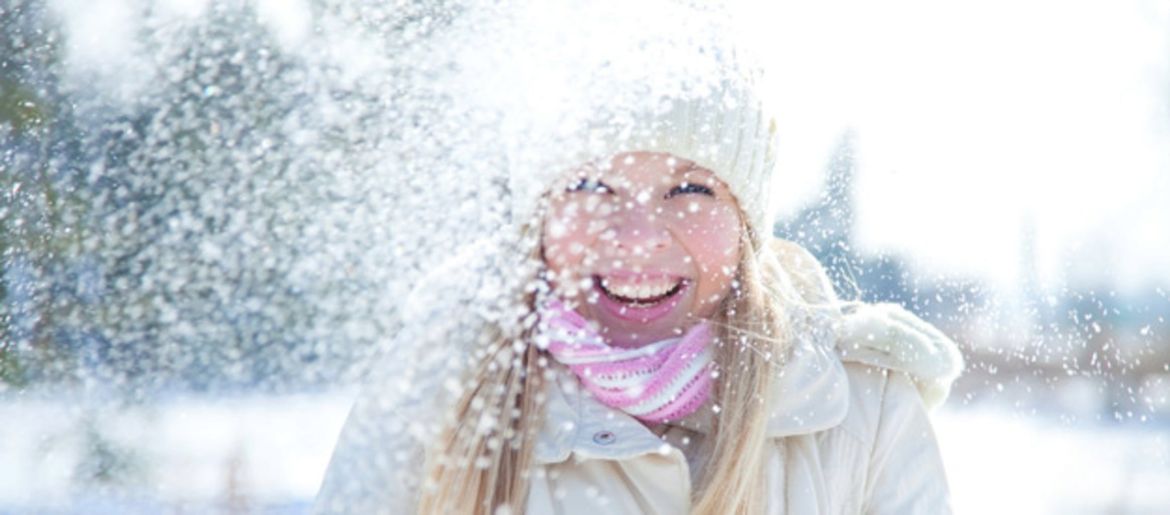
874 340
873 391
883 406
894 461
897 366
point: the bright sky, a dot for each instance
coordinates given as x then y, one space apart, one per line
974 119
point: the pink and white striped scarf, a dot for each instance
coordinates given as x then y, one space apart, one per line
661 381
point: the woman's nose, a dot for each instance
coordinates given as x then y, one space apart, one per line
638 230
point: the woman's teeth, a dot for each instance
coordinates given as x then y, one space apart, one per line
643 291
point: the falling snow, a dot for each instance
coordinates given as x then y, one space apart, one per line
212 212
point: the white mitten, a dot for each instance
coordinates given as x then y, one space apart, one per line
889 336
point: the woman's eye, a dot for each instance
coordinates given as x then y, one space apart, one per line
590 185
690 187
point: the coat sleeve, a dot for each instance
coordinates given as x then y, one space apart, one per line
905 470
377 464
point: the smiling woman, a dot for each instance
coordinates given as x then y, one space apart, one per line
553 222
636 341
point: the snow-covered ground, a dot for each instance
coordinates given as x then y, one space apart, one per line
197 455
262 454
1001 462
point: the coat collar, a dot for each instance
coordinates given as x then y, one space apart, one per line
811 395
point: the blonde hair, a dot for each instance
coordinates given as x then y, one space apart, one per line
483 456
482 467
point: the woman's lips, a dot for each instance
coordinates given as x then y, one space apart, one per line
647 290
641 312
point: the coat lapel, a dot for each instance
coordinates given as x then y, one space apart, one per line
811 395
577 424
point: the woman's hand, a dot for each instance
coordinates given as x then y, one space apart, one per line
889 336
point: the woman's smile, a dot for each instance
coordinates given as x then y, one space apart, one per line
648 288
643 302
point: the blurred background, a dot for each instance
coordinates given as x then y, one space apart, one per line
210 209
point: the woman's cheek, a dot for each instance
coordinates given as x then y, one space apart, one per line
557 236
566 248
716 231
714 245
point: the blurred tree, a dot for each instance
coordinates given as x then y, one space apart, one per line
40 218
195 198
827 228
151 243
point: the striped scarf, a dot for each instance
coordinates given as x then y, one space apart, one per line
665 380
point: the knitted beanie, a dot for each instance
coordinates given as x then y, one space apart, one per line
563 84
726 131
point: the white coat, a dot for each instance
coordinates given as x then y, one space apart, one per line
849 434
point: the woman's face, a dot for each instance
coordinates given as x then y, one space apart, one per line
647 246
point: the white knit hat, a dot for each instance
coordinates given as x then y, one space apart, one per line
727 131
573 83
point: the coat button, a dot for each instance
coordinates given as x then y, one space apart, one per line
604 437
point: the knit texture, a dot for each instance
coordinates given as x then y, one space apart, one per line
575 83
655 383
727 131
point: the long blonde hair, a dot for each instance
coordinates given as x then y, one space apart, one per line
482 460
